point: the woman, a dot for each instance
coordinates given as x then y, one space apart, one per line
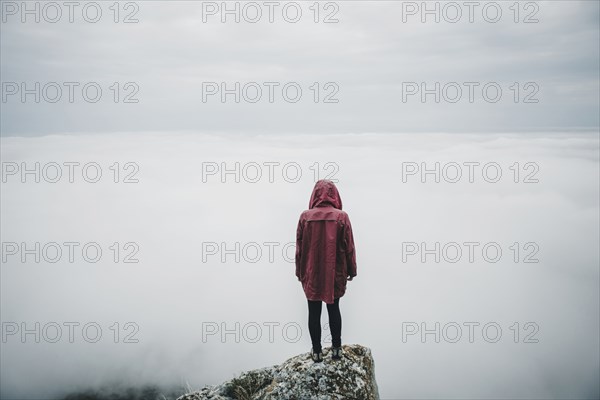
325 261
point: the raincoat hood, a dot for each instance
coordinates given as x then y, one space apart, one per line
325 193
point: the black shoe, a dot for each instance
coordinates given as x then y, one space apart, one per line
316 357
336 353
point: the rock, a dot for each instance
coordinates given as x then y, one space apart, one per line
299 378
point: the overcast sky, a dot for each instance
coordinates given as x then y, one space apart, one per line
540 132
369 53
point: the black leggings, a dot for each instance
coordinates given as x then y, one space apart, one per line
314 323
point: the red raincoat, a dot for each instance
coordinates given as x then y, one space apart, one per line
325 255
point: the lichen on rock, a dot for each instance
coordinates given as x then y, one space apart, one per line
299 378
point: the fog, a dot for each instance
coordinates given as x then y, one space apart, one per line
148 224
180 291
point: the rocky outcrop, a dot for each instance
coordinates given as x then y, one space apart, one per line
299 378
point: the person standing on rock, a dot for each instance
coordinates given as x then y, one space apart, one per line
325 261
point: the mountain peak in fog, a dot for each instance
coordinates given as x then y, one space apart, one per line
352 377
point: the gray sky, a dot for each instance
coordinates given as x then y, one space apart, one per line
367 61
369 53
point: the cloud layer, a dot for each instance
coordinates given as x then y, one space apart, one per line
181 289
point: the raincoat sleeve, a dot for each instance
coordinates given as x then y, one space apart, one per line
299 233
349 248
